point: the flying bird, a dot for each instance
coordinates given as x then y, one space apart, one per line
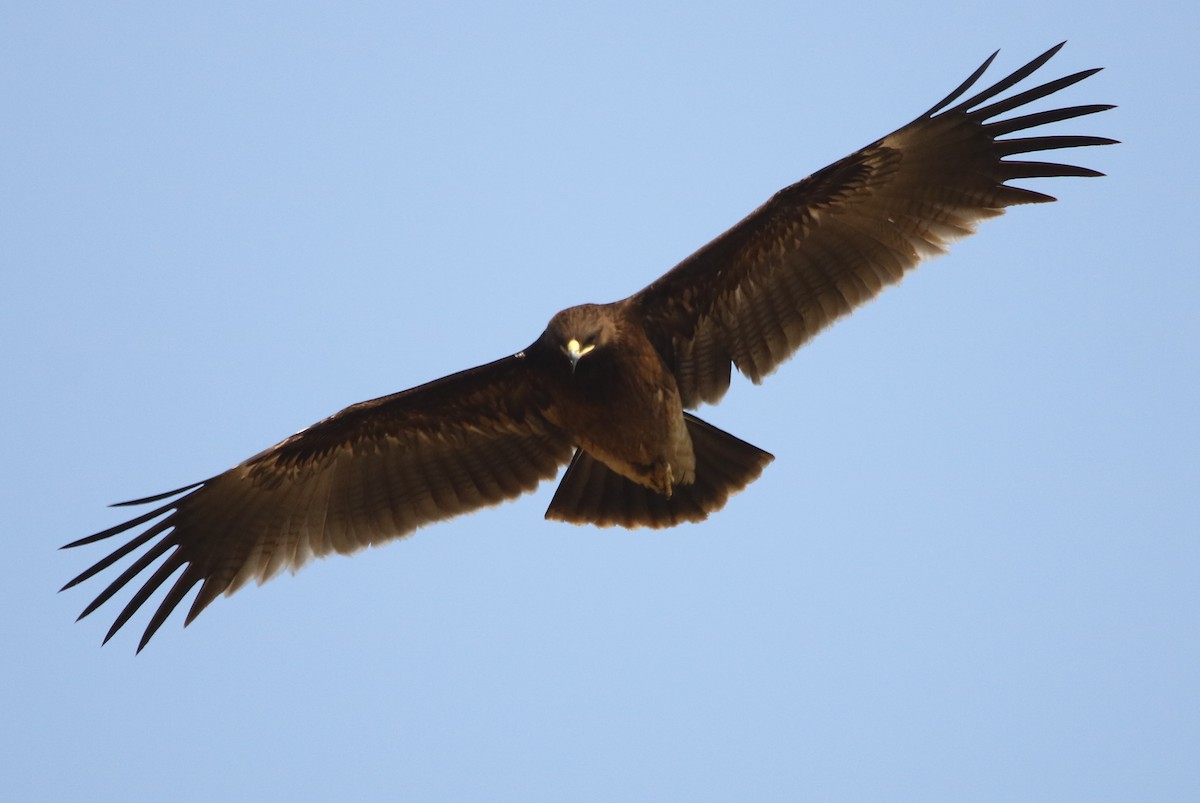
605 389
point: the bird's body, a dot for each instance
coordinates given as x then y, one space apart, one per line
648 442
606 388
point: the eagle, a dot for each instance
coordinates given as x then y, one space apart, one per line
606 388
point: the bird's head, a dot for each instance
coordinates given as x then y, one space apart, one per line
579 332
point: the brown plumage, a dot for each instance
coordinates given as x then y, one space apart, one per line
608 384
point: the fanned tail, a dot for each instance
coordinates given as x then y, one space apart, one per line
591 493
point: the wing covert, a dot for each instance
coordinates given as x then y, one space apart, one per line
823 246
371 473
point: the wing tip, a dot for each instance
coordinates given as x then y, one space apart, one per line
159 497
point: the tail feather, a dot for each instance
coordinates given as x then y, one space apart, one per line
591 493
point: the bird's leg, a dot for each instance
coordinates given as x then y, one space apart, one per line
662 478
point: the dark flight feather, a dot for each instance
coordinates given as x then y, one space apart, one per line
373 472
592 493
608 383
825 245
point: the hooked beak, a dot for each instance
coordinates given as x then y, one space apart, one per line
574 352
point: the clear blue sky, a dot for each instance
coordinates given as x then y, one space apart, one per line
970 574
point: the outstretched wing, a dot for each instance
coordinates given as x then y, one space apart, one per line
823 246
371 473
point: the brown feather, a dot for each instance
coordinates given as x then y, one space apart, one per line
374 472
592 493
611 381
828 244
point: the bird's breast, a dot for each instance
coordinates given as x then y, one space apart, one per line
625 410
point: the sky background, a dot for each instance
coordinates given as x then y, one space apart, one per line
970 574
